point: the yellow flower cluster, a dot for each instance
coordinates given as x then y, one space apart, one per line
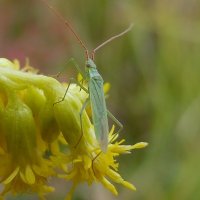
38 137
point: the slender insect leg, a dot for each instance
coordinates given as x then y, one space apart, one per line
94 160
75 64
79 70
77 67
115 120
85 104
120 128
70 82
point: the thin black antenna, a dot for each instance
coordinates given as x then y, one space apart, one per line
68 26
110 39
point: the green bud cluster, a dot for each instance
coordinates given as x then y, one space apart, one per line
28 111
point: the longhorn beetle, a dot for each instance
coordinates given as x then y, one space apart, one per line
95 87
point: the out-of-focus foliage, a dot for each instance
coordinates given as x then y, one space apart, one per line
154 71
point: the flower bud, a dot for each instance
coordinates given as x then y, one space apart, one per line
19 131
68 120
6 63
35 99
67 114
49 129
2 138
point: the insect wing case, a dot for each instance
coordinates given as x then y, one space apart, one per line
99 111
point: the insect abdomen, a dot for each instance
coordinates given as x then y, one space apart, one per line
99 111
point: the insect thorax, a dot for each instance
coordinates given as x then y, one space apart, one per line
91 69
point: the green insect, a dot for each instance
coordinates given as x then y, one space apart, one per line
95 88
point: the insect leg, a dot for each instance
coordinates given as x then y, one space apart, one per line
70 82
80 85
115 120
85 104
79 70
73 61
75 64
93 161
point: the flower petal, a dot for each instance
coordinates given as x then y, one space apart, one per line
12 176
30 177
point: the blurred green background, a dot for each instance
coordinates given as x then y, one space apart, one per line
154 71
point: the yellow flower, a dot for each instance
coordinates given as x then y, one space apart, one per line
39 136
23 167
89 164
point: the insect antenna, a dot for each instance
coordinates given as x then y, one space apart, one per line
68 25
110 39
